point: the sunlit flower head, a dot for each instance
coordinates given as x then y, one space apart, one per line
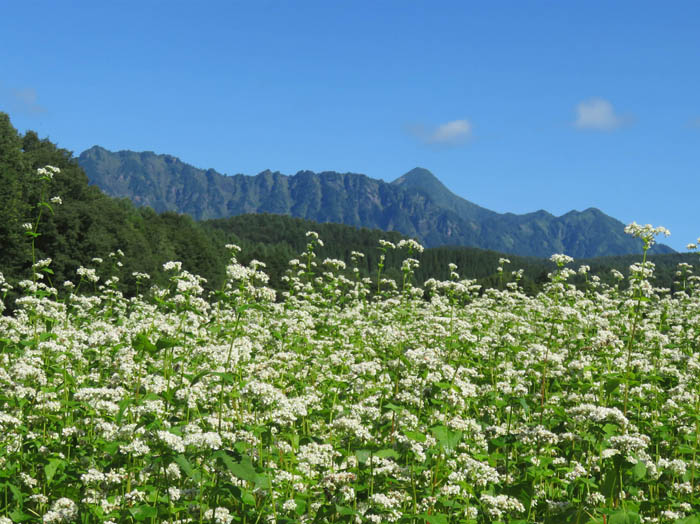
646 232
561 259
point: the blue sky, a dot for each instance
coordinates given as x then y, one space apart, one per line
516 106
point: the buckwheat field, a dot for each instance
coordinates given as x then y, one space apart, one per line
349 399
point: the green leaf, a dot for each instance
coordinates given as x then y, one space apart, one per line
301 506
262 481
623 517
150 396
226 378
247 497
362 455
498 442
685 449
610 488
639 471
142 344
244 307
572 516
693 519
434 519
522 491
524 405
111 447
50 469
415 435
447 438
196 378
342 510
324 514
242 446
610 429
16 493
244 469
167 342
19 516
143 512
386 453
184 464
612 384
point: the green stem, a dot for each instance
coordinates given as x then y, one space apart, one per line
637 310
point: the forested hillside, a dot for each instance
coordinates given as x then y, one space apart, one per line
88 223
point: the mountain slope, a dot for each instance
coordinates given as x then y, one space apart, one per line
416 204
423 181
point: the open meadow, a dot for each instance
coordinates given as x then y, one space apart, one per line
349 399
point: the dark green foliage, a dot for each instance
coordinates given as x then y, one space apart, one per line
13 197
88 223
275 239
416 204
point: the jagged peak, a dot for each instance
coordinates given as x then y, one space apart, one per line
95 151
590 211
415 177
95 148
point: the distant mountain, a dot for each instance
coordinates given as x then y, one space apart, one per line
416 204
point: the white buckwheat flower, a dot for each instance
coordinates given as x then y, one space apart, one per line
63 510
219 516
646 232
560 259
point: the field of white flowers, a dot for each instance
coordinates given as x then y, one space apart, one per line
350 400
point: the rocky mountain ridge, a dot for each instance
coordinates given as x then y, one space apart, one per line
416 204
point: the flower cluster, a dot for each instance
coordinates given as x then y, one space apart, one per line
647 232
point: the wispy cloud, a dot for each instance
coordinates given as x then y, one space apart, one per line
24 100
452 133
597 114
694 122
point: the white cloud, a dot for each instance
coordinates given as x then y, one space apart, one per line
24 100
448 134
597 114
451 132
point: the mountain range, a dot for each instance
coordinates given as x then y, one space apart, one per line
416 204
